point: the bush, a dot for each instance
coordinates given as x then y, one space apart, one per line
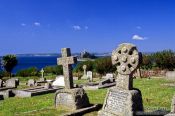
79 66
146 62
57 69
33 71
165 59
104 65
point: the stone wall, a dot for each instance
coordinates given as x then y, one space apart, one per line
150 73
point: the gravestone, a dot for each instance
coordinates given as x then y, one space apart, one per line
42 75
1 83
31 82
123 99
85 74
89 76
170 75
59 81
172 113
13 82
109 75
73 98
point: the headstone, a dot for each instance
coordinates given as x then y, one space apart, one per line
31 82
1 83
89 75
123 99
173 105
172 113
170 75
48 85
42 75
59 81
13 82
109 75
73 98
75 78
85 73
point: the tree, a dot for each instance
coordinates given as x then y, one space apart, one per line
9 62
165 59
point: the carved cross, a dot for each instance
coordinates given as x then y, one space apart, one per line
42 73
66 61
127 60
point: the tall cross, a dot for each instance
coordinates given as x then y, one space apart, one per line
66 61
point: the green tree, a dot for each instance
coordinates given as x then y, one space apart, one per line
164 59
9 62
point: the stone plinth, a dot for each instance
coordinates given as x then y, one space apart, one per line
121 102
72 98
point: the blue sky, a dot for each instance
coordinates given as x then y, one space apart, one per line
45 26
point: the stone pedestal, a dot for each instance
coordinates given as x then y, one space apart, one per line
119 102
74 99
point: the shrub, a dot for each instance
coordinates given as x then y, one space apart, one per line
165 59
57 69
104 65
79 66
147 62
32 71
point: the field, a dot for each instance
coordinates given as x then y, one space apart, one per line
156 94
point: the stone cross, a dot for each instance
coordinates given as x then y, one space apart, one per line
84 68
42 73
127 60
66 61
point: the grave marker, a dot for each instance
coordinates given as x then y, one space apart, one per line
123 99
66 61
73 98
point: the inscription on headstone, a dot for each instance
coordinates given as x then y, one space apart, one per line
116 101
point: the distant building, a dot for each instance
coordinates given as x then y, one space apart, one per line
86 54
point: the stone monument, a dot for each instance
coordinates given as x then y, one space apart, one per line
123 99
89 76
1 83
70 97
42 75
85 74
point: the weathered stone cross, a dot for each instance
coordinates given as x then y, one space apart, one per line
127 60
66 61
42 73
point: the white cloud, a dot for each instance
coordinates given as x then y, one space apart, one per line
76 27
86 27
23 24
36 23
139 27
138 37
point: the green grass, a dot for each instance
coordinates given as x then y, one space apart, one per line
155 93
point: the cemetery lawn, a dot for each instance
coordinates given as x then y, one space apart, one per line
156 94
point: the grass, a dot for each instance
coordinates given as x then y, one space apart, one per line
156 94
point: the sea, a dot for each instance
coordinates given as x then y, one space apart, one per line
39 62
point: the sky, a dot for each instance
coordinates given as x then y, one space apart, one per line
46 26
